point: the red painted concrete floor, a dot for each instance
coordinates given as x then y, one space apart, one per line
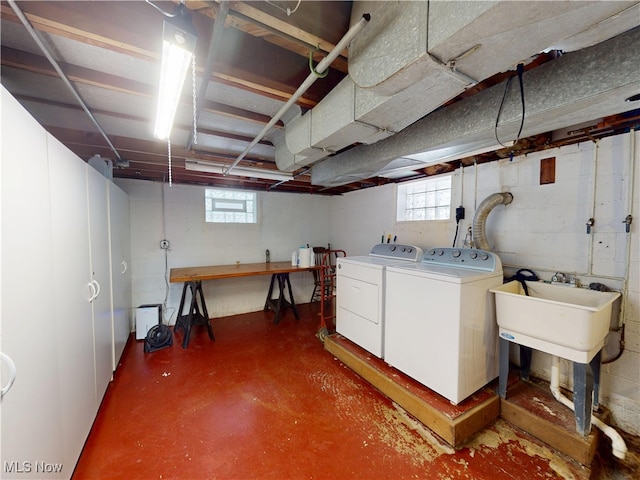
266 401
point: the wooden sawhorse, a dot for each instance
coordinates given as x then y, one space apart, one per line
195 316
280 303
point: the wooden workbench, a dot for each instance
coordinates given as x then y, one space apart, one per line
215 272
192 277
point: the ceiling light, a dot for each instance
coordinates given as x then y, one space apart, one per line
211 167
178 45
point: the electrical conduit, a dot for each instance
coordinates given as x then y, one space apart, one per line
619 448
45 50
313 76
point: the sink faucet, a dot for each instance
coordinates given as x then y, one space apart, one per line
564 279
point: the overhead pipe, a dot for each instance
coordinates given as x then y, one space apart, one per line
62 75
214 48
313 76
619 448
480 217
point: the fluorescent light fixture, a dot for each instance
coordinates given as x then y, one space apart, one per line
178 45
221 168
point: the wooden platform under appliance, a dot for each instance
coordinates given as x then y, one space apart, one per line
453 423
530 406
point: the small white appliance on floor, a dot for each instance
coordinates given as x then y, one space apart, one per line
360 296
147 316
440 320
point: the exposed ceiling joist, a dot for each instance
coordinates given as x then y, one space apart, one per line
111 50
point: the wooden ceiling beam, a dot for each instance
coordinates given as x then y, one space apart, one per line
86 141
55 18
38 64
244 61
288 32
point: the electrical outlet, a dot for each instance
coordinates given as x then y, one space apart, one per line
164 244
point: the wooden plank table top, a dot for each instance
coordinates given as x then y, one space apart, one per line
213 272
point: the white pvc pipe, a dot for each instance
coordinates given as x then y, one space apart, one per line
593 205
313 76
618 446
629 236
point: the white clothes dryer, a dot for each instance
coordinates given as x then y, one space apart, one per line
360 296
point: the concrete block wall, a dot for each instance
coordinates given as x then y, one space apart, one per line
360 219
285 221
542 229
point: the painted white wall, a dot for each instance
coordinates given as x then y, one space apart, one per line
363 218
285 221
542 229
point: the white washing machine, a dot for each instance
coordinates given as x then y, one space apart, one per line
360 296
440 324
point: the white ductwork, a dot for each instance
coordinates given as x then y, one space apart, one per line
480 218
415 56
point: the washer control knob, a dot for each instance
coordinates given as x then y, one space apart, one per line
440 252
456 253
431 252
393 248
473 255
484 256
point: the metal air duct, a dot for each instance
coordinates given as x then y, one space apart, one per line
480 218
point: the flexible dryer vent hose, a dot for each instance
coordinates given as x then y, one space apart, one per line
480 218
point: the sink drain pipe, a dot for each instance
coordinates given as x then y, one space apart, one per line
480 217
618 446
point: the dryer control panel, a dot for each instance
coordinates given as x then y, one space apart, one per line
470 258
393 250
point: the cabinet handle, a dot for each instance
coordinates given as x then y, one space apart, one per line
125 267
12 373
95 282
92 295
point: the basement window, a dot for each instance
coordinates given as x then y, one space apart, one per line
230 206
423 200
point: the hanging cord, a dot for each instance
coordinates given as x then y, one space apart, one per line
455 237
169 156
288 11
520 70
195 109
168 311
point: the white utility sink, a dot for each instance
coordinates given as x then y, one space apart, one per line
560 320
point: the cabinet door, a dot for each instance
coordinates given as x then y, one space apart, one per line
120 273
71 304
31 421
101 272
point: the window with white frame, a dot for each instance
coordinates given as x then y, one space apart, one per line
230 206
428 199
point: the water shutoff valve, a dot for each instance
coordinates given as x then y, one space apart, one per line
590 223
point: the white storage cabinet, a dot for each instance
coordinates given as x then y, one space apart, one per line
62 242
